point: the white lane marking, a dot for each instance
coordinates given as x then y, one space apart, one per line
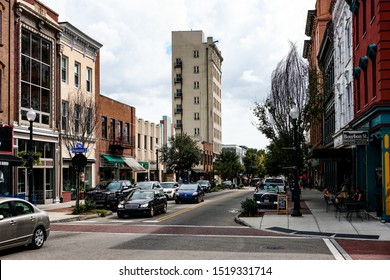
335 252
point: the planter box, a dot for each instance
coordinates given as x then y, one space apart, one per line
66 196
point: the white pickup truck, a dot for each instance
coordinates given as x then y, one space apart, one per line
279 182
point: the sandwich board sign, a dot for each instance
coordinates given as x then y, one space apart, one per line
282 203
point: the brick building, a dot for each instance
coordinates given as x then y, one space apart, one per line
371 60
115 148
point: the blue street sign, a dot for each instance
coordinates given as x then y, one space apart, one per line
79 150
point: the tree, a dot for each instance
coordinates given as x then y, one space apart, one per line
227 165
79 122
254 163
288 90
289 86
182 155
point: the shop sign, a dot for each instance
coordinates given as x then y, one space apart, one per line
355 137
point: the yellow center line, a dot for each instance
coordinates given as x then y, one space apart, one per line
169 216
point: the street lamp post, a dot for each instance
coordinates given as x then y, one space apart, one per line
30 160
294 113
158 171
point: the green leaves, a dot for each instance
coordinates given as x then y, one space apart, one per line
182 155
227 165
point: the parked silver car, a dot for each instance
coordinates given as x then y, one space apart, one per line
22 223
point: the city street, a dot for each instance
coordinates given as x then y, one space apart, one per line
188 231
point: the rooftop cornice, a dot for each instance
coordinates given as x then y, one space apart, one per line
310 20
80 36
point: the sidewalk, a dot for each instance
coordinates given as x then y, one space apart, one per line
315 221
62 212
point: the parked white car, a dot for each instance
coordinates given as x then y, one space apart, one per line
170 189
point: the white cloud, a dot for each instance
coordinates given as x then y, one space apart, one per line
249 77
253 37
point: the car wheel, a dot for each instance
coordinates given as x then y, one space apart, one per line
38 238
177 201
151 213
197 199
165 208
202 198
120 215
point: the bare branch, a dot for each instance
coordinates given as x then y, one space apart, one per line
82 119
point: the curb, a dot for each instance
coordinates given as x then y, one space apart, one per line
80 218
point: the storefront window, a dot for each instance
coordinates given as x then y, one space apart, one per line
49 184
5 180
21 180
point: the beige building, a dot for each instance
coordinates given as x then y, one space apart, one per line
79 76
148 143
196 88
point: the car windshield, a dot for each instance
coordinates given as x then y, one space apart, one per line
102 185
114 186
144 185
269 188
189 187
203 182
167 185
141 195
279 181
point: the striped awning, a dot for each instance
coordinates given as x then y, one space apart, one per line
133 164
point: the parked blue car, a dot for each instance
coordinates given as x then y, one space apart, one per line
190 193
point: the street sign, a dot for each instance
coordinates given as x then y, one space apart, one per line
6 139
355 137
79 150
79 161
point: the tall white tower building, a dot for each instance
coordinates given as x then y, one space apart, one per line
196 88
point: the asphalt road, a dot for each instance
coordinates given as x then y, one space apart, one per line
188 231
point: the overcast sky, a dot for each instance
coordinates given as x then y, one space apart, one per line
253 37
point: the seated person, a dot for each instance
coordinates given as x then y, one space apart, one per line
326 193
353 194
342 195
358 196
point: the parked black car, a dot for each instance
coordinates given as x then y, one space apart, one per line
205 184
266 196
110 196
143 202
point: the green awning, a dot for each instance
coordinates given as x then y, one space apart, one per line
114 159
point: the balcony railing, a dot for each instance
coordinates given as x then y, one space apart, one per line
178 63
179 94
122 143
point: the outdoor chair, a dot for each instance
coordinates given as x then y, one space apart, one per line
340 208
329 203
